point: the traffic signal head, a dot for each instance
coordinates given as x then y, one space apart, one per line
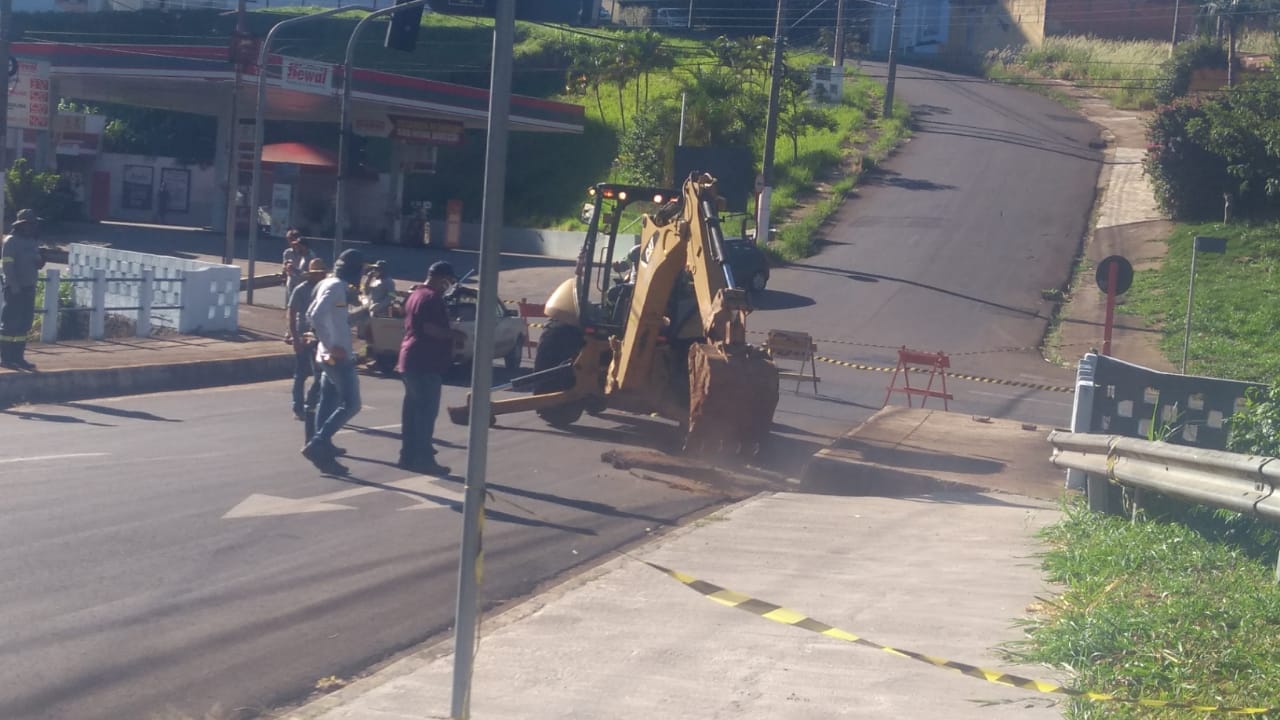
402 32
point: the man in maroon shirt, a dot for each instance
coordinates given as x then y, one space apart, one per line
425 355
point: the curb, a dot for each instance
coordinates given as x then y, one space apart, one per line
67 385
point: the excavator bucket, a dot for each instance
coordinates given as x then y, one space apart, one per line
733 391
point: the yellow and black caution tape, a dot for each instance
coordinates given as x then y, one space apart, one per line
950 375
779 614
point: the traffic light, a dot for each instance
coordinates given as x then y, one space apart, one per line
402 32
357 151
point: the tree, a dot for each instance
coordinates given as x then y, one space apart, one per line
721 109
799 116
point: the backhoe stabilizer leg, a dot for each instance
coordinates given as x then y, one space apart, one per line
461 414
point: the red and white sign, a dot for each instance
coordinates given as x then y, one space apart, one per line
307 75
29 106
78 133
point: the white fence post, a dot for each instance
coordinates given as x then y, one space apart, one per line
49 323
98 306
145 294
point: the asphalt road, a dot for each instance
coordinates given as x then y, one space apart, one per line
172 552
949 247
149 564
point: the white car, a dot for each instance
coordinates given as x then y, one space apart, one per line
508 337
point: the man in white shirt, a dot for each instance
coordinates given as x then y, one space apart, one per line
330 317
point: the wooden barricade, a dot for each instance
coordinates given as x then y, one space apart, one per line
787 345
910 361
530 310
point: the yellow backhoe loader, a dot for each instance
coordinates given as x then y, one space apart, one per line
663 332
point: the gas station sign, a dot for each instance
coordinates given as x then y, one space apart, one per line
426 131
29 106
307 75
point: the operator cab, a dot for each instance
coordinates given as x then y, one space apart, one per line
605 270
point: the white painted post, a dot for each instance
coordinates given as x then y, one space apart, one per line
98 306
49 325
1082 413
145 294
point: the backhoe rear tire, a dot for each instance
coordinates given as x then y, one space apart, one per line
558 343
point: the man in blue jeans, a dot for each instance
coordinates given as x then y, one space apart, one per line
331 323
425 355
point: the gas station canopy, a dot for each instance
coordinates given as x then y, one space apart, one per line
199 79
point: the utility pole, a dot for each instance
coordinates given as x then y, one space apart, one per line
770 130
6 21
1231 45
466 622
1173 44
689 23
837 57
893 58
233 134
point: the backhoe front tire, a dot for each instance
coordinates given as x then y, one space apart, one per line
559 342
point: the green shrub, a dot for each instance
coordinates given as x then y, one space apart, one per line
1189 57
1187 177
47 193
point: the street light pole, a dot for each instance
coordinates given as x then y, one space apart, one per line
466 624
893 59
233 134
770 130
344 121
259 120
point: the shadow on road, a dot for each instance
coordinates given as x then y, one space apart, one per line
489 513
937 127
876 277
888 178
779 300
47 417
118 412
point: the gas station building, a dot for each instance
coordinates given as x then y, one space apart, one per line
298 182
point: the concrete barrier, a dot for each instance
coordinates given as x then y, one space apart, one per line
190 296
68 385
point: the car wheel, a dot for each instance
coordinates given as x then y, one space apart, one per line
512 359
759 280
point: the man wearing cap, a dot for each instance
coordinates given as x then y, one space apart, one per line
330 319
425 355
20 261
296 260
304 345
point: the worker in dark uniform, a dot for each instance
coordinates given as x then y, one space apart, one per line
20 263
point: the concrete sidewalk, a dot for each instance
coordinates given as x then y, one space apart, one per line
944 572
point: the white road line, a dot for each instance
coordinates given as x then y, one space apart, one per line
376 427
39 458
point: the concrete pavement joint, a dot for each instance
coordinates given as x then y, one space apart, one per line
785 616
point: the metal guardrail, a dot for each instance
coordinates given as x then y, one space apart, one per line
1229 481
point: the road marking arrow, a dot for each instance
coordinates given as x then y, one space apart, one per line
259 505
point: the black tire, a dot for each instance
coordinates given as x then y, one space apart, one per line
385 363
559 342
513 359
